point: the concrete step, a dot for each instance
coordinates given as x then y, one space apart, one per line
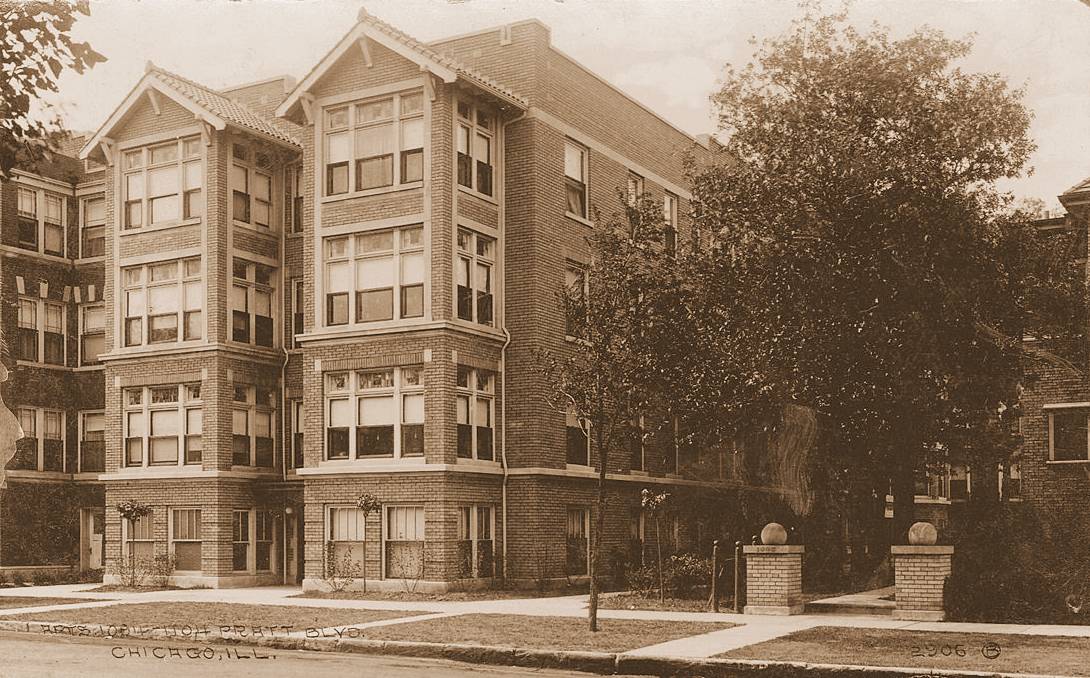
867 608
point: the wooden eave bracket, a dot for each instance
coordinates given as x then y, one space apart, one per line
306 100
206 131
429 83
107 146
153 99
365 50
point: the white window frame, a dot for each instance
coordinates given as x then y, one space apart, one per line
253 288
83 414
142 157
249 541
298 310
576 182
39 414
401 248
472 254
255 164
295 429
576 278
144 285
330 526
86 224
472 513
172 534
634 187
573 421
82 309
386 532
293 190
669 217
474 395
354 392
40 198
352 126
188 398
586 510
41 306
1059 409
253 406
472 128
127 539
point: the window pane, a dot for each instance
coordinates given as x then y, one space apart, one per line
375 172
163 299
377 411
262 186
340 413
164 153
338 148
94 318
339 276
374 110
412 133
94 211
412 268
381 241
413 409
134 186
1069 429
337 117
163 181
375 305
164 450
164 423
375 272
573 162
412 103
192 175
164 271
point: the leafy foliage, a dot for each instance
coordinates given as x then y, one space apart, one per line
35 48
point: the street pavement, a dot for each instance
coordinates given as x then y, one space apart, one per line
28 656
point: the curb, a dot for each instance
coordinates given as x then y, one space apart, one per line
602 663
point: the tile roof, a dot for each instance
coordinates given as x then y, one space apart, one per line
469 74
231 111
1080 187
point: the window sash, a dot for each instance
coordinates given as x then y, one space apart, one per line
374 144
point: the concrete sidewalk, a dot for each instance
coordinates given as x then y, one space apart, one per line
750 629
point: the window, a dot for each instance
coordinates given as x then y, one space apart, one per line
476 129
160 297
26 343
295 426
93 233
140 538
347 530
162 183
293 199
1067 435
633 189
476 259
669 218
251 189
476 547
577 290
161 420
476 396
375 413
240 546
298 308
1012 487
27 218
637 536
960 485
374 144
375 276
577 442
92 333
252 426
252 303
264 531
638 444
53 224
92 444
52 441
27 457
186 539
578 541
53 337
404 548
575 178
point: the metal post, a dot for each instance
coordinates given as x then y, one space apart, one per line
737 577
715 576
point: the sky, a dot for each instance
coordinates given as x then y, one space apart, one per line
667 54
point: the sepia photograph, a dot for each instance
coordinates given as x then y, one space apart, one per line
512 338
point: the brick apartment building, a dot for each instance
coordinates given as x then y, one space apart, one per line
266 301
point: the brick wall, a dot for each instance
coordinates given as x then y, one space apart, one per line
920 573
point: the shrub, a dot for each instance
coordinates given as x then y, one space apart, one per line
161 569
1016 565
686 573
17 578
643 580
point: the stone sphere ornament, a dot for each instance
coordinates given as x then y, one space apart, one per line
922 534
773 534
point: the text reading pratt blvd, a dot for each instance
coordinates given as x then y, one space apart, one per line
186 631
206 653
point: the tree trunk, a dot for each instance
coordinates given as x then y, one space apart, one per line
658 549
363 568
596 535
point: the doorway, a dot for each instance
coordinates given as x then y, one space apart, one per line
92 538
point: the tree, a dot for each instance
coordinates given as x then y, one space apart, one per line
35 48
654 503
368 503
602 376
131 511
858 266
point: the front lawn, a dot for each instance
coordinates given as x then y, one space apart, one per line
27 601
542 633
450 596
1052 655
637 601
213 614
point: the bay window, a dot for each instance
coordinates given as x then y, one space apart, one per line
93 231
375 276
162 183
251 189
374 144
476 261
92 333
161 297
575 178
475 406
159 421
375 413
475 131
252 426
252 303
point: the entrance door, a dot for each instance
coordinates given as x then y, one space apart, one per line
93 538
293 549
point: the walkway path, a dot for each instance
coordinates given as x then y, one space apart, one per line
751 629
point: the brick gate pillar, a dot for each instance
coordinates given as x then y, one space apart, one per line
774 579
920 573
